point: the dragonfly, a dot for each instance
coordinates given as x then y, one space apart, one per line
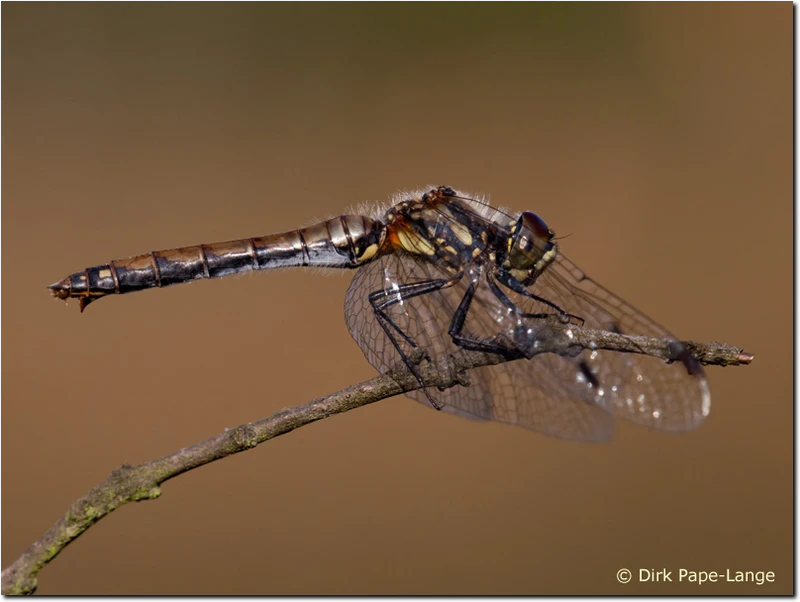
438 271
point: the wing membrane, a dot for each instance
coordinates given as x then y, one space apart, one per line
571 398
530 394
643 389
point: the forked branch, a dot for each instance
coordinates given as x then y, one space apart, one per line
136 483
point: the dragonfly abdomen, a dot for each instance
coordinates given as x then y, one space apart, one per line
346 241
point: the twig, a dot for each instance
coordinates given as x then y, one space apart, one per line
137 483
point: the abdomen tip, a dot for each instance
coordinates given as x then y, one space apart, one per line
61 289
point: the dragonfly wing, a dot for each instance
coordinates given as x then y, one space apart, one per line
670 397
646 390
535 394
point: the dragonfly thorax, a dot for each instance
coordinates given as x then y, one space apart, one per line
438 229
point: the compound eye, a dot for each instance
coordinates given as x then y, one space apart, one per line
535 224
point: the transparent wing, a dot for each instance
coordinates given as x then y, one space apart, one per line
540 394
646 390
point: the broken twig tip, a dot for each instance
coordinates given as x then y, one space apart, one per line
744 357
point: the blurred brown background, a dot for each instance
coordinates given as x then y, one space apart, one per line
658 137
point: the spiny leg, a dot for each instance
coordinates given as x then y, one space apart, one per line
511 352
492 346
527 349
473 343
582 366
516 286
383 299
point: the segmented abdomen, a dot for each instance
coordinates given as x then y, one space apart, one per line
346 241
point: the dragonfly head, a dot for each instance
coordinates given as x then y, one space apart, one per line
530 248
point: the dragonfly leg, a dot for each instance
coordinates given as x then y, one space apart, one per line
381 300
503 298
514 349
583 366
516 286
473 343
